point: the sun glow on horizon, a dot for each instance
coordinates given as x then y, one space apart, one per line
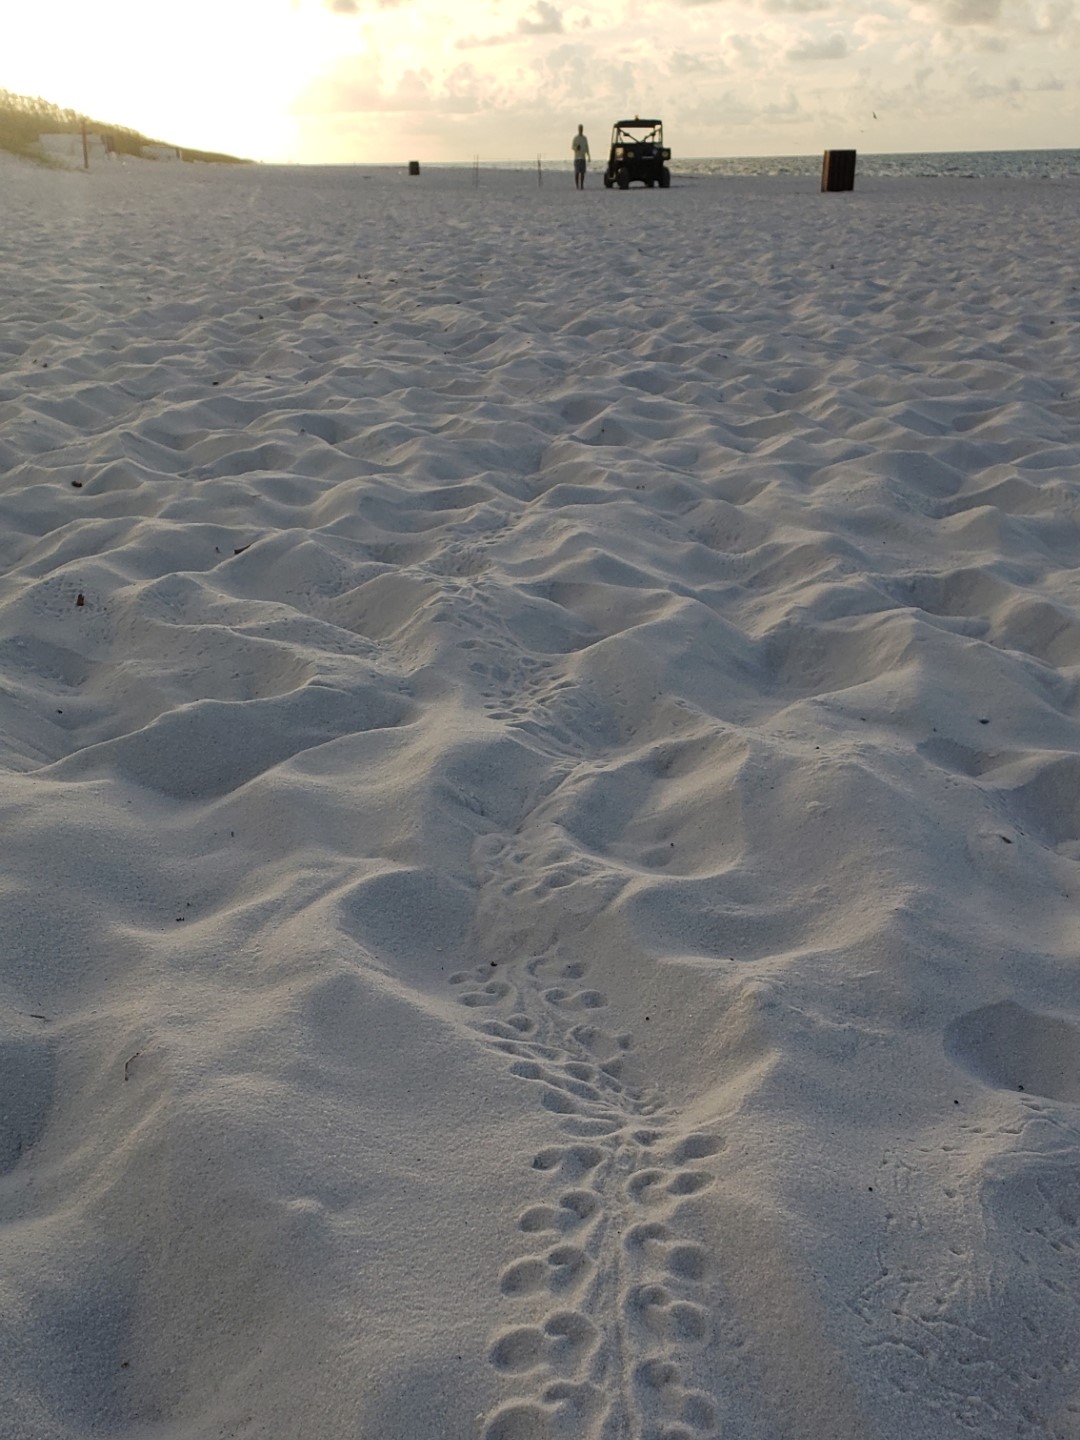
217 76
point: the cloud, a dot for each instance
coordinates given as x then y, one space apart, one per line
358 89
725 110
745 49
352 7
481 42
546 20
1015 17
693 62
831 47
787 108
794 7
1051 17
970 12
1011 87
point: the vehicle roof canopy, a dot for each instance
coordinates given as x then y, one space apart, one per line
636 124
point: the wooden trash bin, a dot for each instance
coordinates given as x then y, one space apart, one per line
414 167
838 170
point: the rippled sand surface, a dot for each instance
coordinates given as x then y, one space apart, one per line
540 786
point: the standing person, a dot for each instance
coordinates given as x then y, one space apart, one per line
580 146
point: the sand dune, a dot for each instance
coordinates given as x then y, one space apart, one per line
541 741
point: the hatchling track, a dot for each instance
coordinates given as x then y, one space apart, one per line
611 1302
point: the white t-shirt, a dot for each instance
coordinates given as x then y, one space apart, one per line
580 147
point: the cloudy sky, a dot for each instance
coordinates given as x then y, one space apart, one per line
391 80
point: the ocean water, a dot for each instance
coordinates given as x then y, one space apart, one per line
955 165
952 164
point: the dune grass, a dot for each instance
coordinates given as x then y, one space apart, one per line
25 118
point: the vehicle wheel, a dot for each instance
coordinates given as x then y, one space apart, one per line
622 178
608 182
665 178
649 184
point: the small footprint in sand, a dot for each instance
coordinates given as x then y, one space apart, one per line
653 1187
560 1269
531 1070
511 1026
570 1160
490 994
570 1212
576 999
599 1041
560 1342
696 1147
655 1309
660 1393
564 1411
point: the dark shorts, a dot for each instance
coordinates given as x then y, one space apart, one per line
579 167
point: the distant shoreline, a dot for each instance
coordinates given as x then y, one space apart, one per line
1061 164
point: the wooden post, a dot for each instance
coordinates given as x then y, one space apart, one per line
838 170
85 148
539 172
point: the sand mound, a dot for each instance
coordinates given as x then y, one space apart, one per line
1017 1049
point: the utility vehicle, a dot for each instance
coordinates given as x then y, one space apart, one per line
638 153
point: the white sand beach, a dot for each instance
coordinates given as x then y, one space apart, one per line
541 808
